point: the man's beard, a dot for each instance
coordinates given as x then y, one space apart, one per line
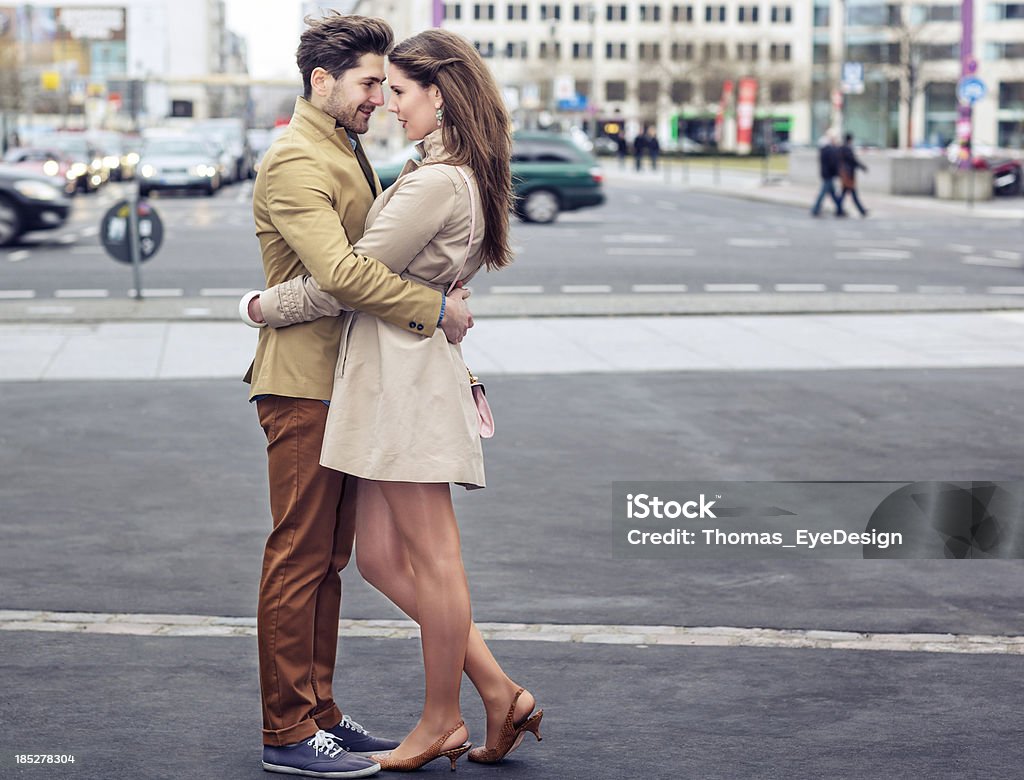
346 116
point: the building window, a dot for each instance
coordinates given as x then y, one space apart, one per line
649 52
780 92
615 13
453 10
943 13
682 51
650 13
483 11
748 14
486 48
583 51
615 90
940 51
682 91
714 13
1011 95
713 90
747 52
647 91
551 11
517 12
780 52
1002 11
551 50
782 14
682 13
515 50
822 17
714 52
615 51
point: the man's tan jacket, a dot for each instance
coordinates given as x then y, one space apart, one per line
310 202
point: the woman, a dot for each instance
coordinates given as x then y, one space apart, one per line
402 418
848 167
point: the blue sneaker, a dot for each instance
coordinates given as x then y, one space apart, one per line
319 756
358 741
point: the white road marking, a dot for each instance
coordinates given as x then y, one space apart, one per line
197 312
17 257
800 288
1005 290
81 294
962 248
728 288
659 288
637 238
71 238
650 251
91 231
16 295
875 254
522 289
866 288
758 243
992 262
222 292
51 309
586 288
190 626
1006 254
158 292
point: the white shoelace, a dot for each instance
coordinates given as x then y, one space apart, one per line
323 742
347 722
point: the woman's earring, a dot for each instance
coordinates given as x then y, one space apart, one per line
439 114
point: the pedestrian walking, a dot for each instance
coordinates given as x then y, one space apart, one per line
828 165
621 148
849 164
402 422
640 148
310 199
653 147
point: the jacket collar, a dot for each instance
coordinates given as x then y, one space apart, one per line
432 149
315 122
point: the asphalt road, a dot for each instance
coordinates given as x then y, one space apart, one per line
646 239
142 497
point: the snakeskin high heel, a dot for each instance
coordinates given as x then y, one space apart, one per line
510 736
428 755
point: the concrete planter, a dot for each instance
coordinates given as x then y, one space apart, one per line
963 185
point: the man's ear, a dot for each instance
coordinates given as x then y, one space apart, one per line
320 80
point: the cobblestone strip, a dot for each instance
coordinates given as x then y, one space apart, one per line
638 636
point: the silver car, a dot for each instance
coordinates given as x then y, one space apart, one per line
178 163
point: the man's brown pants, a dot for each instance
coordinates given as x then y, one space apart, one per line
300 589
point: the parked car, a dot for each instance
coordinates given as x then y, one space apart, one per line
117 155
177 163
550 174
29 201
52 163
229 133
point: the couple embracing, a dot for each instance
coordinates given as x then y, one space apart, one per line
362 391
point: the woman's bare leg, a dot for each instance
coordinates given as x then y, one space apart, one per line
384 563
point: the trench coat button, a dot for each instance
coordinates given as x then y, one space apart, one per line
420 326
412 324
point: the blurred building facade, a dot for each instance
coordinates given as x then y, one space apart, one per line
120 64
683 66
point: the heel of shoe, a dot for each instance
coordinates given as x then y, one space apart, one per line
455 754
533 724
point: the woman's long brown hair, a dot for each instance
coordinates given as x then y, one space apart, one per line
475 130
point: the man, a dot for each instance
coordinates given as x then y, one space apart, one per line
310 201
828 165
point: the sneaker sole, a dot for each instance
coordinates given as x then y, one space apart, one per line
289 770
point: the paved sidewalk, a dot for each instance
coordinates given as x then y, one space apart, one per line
539 345
751 185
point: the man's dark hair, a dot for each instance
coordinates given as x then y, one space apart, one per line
849 137
337 41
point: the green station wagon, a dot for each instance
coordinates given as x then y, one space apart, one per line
550 173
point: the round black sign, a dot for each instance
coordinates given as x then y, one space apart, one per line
114 231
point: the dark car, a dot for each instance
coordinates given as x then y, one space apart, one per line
29 201
550 174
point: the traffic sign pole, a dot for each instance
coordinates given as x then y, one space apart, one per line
133 239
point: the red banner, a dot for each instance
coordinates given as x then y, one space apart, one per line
745 115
